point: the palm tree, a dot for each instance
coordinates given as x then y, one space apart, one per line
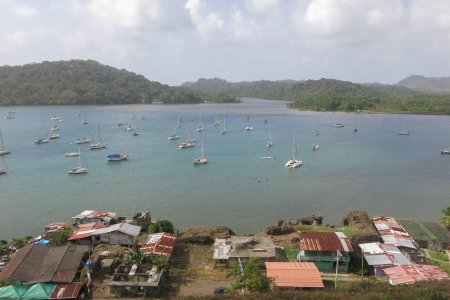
137 257
445 220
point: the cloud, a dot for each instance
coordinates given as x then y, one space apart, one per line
24 11
208 26
262 6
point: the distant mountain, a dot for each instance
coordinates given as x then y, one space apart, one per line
430 84
332 95
87 82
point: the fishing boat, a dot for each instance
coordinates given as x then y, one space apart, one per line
100 144
445 151
224 129
338 125
269 142
42 141
202 159
78 169
294 162
3 150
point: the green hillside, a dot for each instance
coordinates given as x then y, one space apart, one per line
87 82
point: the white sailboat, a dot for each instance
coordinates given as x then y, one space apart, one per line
224 129
78 169
269 142
216 120
174 136
199 126
318 128
248 127
294 162
338 125
404 131
3 150
202 159
100 144
178 124
42 141
445 151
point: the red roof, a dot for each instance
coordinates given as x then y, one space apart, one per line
85 230
294 274
66 291
324 242
159 243
408 274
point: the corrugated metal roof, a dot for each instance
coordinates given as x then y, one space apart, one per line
408 274
294 274
85 230
108 215
221 249
44 263
324 242
378 260
377 254
66 291
371 248
159 243
129 229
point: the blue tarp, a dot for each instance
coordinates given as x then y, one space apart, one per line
112 155
42 242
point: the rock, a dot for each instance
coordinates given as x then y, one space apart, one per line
286 228
204 235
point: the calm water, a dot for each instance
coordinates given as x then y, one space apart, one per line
374 169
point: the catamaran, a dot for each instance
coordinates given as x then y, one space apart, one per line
98 145
3 150
294 162
202 159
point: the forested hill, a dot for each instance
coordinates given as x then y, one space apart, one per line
432 84
87 82
332 95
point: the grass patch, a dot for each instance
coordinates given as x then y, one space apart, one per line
291 252
438 255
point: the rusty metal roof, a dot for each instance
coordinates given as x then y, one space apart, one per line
324 242
408 274
85 230
294 274
159 243
66 291
43 263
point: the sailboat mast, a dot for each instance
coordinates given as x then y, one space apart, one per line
99 137
1 140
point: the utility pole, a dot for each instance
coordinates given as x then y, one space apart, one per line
337 266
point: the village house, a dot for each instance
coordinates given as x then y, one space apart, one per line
159 244
325 249
294 274
90 216
408 274
83 234
35 263
118 234
244 247
427 234
381 256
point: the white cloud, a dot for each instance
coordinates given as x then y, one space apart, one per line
18 38
24 11
208 26
262 6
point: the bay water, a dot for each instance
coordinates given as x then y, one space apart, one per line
374 169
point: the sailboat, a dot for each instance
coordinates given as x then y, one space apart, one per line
3 150
318 129
79 169
216 120
174 136
3 170
248 127
178 124
445 151
404 131
199 126
294 162
98 145
202 159
85 121
269 142
117 156
224 129
356 127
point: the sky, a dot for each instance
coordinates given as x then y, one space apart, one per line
174 41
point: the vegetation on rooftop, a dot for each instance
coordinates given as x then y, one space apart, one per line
445 220
161 226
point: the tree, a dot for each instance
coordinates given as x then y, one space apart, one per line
137 257
250 277
445 220
161 226
60 237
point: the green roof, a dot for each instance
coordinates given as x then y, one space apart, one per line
39 291
15 291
